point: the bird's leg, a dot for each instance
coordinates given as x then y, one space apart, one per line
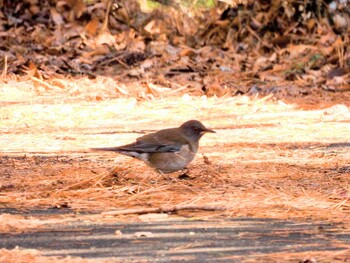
160 171
165 176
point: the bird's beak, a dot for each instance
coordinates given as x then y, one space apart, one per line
208 130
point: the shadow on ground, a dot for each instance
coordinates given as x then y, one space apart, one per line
188 240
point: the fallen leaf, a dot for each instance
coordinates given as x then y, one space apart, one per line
144 234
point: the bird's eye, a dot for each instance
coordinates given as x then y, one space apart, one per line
196 129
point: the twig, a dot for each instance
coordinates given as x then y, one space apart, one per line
105 22
4 71
166 209
46 85
80 183
259 38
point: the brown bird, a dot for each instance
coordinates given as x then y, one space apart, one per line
167 150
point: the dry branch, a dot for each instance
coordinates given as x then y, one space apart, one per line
166 209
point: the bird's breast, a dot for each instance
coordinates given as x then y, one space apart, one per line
169 162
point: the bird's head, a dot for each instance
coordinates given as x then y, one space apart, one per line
194 130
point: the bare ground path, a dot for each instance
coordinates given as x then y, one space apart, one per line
234 240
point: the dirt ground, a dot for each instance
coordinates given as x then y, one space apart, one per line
270 158
270 77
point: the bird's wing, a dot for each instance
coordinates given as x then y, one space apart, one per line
168 140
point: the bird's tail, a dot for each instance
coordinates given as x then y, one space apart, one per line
109 149
124 150
120 149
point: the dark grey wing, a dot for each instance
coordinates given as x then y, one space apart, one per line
168 140
142 147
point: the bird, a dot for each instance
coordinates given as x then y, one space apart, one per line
167 150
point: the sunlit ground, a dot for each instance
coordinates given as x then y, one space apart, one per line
268 158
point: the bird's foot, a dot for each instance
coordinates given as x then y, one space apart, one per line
184 175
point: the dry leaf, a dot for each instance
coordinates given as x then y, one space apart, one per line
92 26
56 17
144 234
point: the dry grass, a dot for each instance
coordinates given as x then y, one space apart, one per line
319 257
32 255
268 158
18 255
